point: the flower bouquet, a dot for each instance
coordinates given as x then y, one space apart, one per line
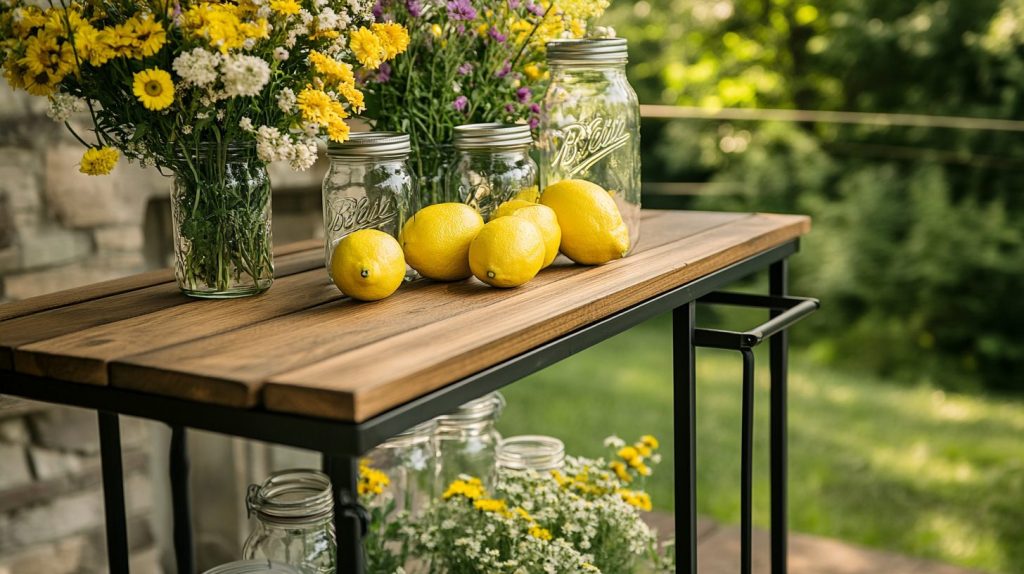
469 61
208 91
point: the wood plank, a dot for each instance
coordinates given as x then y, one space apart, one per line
358 384
67 297
76 317
246 358
82 356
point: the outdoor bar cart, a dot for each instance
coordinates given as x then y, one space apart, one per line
305 367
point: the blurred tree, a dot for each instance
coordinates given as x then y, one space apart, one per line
919 248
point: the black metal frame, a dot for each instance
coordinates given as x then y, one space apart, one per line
342 443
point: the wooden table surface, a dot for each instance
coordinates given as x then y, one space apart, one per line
304 348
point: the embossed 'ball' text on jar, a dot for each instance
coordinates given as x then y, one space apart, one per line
590 122
368 186
493 165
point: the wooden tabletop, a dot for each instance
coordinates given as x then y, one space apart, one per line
304 348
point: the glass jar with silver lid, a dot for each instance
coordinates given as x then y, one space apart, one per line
294 521
493 165
590 122
368 186
530 452
467 439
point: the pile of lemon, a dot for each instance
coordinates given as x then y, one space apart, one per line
450 241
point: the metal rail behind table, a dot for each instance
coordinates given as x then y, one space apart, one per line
59 349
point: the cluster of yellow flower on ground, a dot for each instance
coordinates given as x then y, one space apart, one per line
450 242
47 45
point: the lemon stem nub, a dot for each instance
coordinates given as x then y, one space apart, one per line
490 274
364 273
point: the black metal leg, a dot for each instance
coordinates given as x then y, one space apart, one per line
184 553
113 492
349 523
747 464
685 411
778 357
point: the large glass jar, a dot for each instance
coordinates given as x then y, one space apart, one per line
467 439
253 567
368 186
410 462
493 165
294 521
530 452
220 214
590 122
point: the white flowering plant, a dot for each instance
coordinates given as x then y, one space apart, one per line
585 517
188 86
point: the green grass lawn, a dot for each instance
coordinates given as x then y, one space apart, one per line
913 470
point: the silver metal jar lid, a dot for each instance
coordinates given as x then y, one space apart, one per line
492 136
252 567
292 497
530 452
588 51
371 144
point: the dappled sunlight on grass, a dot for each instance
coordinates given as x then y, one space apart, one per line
910 469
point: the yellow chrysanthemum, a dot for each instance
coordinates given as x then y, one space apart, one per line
333 72
218 24
154 88
636 498
522 513
621 471
393 37
147 36
103 48
353 96
532 71
628 453
320 108
371 480
26 19
99 161
650 441
337 130
643 449
469 487
286 7
491 505
367 47
538 532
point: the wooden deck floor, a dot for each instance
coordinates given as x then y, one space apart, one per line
718 552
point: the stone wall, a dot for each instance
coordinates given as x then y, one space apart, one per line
60 229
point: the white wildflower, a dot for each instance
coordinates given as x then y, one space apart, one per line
197 67
244 75
286 100
614 442
246 125
280 54
304 154
186 129
62 106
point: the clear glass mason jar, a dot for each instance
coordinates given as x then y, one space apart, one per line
467 439
590 122
493 165
530 452
220 215
294 521
253 567
410 461
368 186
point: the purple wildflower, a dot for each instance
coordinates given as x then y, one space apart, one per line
505 69
537 9
534 108
460 103
523 95
513 4
414 7
378 11
384 73
510 108
496 35
461 10
534 122
465 69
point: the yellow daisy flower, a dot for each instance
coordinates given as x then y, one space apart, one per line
98 161
393 37
102 50
46 62
154 88
650 441
628 453
371 480
147 36
538 532
491 505
469 487
435 30
367 47
333 71
286 7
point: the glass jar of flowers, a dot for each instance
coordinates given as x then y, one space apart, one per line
207 92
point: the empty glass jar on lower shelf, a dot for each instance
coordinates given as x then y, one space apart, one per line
529 452
467 439
294 513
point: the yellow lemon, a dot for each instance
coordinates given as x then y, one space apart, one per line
508 252
547 223
592 228
509 207
436 240
368 265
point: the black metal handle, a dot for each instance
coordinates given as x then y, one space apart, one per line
793 309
